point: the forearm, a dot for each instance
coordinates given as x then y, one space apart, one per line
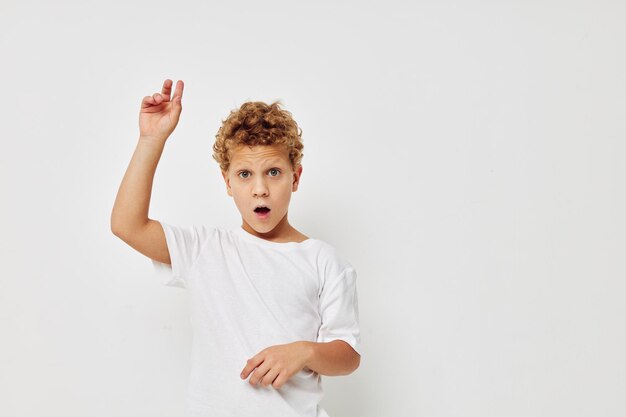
133 197
332 358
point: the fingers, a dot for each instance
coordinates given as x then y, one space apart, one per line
280 380
269 377
148 101
259 373
166 91
178 94
250 365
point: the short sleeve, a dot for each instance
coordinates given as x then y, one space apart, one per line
184 245
339 310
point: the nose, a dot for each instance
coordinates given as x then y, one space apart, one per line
260 188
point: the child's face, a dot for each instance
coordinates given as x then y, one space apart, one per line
262 176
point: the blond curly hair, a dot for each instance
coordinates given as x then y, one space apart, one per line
258 123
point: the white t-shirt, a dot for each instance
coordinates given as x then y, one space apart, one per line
247 294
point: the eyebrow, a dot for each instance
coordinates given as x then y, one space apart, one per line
275 161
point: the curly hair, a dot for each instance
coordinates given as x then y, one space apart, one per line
257 123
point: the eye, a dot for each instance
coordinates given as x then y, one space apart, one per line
248 173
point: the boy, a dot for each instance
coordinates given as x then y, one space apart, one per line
272 309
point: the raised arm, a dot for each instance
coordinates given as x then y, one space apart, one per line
158 118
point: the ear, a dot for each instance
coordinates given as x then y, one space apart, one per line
227 181
296 178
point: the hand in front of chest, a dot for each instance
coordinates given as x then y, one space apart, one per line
276 364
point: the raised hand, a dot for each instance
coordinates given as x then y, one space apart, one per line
160 112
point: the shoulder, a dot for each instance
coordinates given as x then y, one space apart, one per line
331 262
188 232
192 234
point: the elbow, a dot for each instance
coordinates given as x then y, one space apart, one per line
356 363
113 224
115 230
122 227
355 358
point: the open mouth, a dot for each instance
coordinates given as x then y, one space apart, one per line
262 210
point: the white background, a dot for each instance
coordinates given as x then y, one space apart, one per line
466 157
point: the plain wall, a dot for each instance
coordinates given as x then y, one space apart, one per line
466 157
